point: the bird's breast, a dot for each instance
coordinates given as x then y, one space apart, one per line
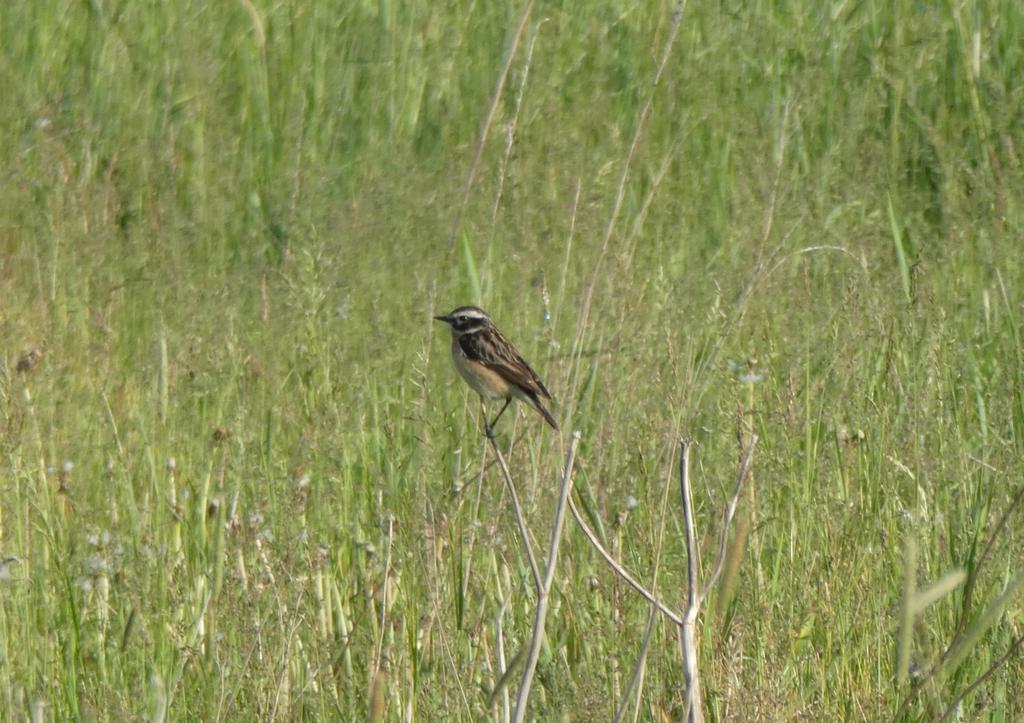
485 381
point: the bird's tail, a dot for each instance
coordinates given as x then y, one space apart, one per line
535 402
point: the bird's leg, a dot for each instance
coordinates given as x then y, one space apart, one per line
483 415
508 401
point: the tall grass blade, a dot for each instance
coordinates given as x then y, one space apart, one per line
906 627
898 247
472 275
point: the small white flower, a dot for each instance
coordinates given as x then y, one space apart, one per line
97 566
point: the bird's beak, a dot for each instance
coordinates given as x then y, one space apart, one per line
446 319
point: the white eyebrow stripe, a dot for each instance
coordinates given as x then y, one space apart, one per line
470 329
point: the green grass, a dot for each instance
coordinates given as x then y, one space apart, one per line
227 226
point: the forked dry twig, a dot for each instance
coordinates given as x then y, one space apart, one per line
620 570
696 593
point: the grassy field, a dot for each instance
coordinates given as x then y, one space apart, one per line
242 481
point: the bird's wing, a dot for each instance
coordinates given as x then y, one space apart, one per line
504 360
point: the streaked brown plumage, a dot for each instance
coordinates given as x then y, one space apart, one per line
490 364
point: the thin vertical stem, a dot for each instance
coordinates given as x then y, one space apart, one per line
544 590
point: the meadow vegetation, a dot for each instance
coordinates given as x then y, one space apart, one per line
241 480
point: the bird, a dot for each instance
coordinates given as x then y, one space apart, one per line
491 365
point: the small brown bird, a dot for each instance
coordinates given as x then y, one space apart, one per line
29 360
491 365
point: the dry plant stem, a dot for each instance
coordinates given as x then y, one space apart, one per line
973 579
638 670
634 689
544 589
506 708
524 531
467 574
384 602
645 205
965 607
622 572
282 682
230 696
485 127
695 593
773 199
568 251
982 678
688 631
761 264
485 465
620 194
728 515
510 136
437 613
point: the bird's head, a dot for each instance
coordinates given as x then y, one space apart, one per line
466 320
